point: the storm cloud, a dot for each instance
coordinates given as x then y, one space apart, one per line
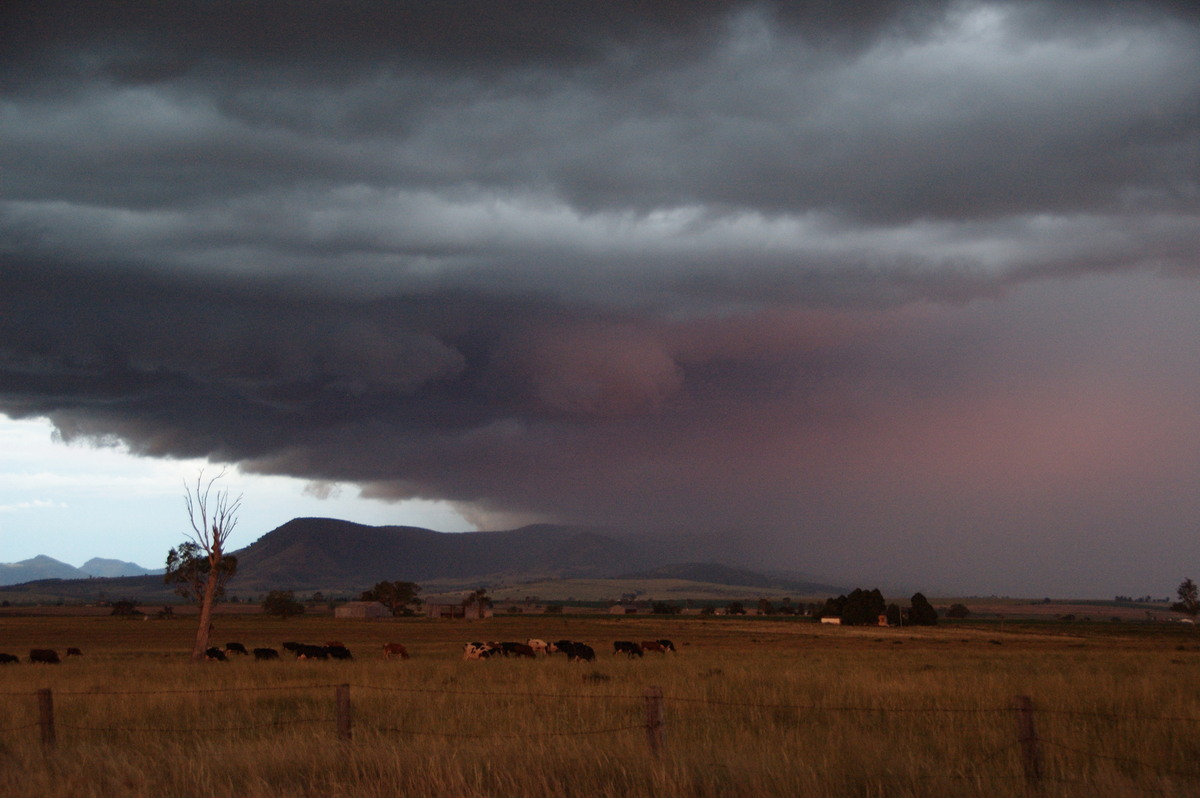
903 292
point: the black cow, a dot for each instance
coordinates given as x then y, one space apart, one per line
292 647
306 651
214 654
627 647
46 656
338 652
518 650
261 654
235 648
576 650
8 659
74 652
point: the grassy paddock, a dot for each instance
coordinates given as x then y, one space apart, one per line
752 707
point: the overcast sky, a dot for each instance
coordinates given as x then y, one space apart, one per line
897 293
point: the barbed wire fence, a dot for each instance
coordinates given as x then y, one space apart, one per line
1028 742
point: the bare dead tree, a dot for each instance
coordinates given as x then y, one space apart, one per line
213 517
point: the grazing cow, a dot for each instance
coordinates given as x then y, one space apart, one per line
538 646
517 650
338 652
479 650
8 659
305 651
235 648
659 646
214 654
292 647
74 652
627 647
576 651
394 651
261 654
46 656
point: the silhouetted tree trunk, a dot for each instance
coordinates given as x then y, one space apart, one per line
213 517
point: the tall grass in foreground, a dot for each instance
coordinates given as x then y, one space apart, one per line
765 709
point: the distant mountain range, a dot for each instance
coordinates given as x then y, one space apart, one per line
43 567
311 554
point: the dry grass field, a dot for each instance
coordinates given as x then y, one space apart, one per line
751 707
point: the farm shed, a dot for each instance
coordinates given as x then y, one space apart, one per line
362 609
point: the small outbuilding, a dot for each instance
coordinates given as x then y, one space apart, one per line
362 609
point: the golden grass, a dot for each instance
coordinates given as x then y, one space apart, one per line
753 707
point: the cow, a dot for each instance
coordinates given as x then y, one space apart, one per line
236 648
479 650
394 651
261 654
214 654
8 659
627 647
658 646
517 650
338 652
575 650
74 652
305 651
45 656
538 646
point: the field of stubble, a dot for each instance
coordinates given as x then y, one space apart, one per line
751 707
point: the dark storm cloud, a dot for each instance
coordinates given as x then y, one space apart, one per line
819 271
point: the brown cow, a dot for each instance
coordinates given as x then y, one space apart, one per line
394 651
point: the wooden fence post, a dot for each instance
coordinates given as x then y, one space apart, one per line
46 717
343 712
654 720
1031 751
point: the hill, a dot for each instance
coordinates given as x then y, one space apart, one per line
341 557
35 568
325 553
98 566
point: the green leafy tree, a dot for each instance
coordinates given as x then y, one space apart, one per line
479 597
957 611
125 608
1189 599
863 608
921 613
282 604
399 597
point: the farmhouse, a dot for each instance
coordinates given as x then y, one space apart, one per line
362 609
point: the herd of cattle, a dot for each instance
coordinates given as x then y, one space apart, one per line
532 648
